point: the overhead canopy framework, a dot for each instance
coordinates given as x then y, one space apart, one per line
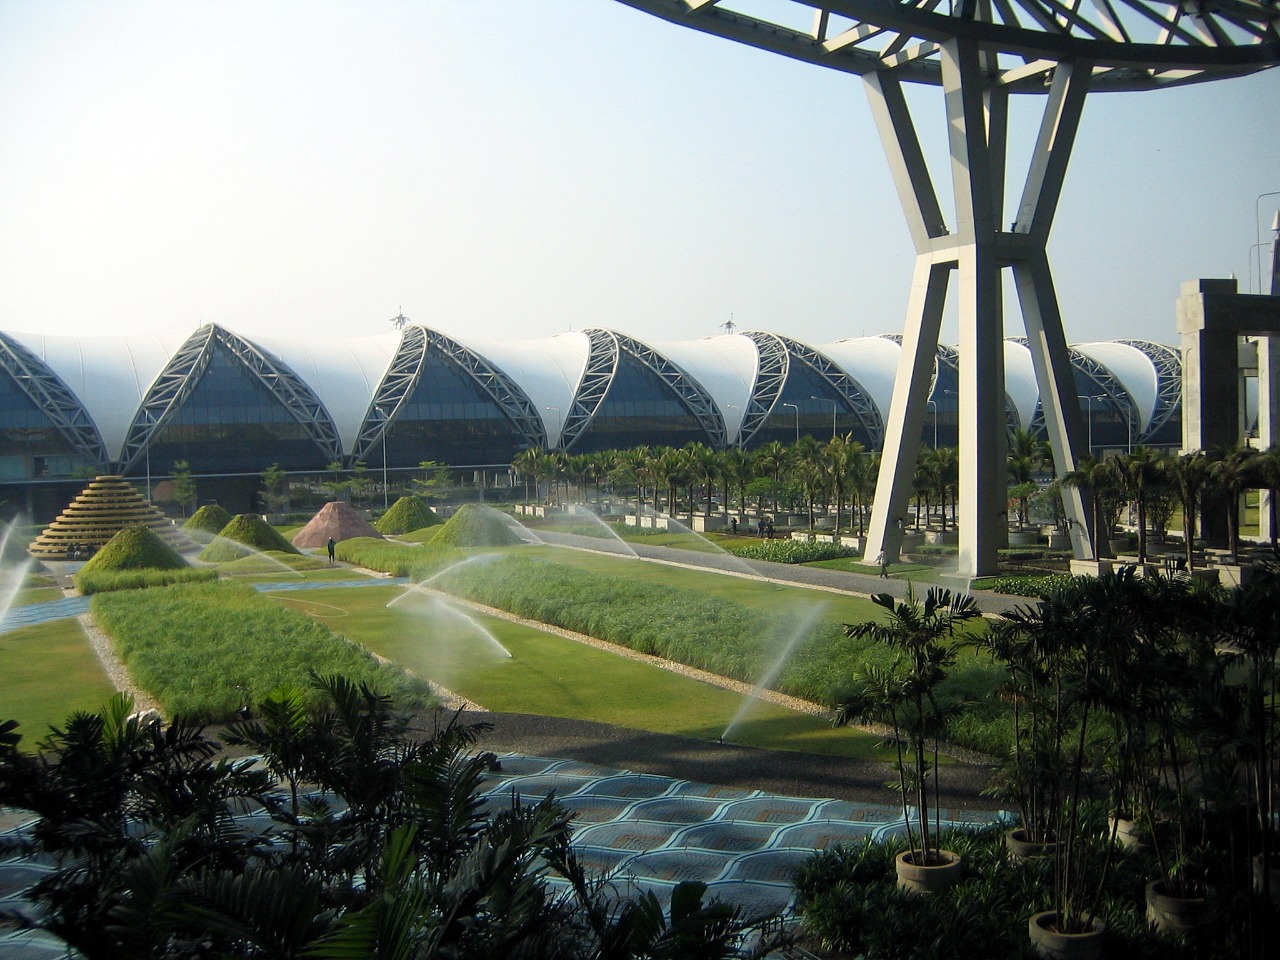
979 52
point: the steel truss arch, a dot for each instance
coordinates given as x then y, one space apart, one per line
772 366
855 396
497 386
393 390
1115 395
184 372
604 353
53 398
692 394
1168 364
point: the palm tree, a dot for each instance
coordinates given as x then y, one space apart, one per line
1190 475
1101 478
1268 471
1233 472
736 470
771 460
1141 472
904 696
704 468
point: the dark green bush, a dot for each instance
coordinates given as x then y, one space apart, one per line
792 551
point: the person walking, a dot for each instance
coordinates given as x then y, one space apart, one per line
329 546
882 562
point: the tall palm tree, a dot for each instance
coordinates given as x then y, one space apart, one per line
1233 471
771 460
1101 479
1189 475
1141 472
736 471
1268 471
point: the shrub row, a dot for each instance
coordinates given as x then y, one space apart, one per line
1027 586
105 581
206 650
792 551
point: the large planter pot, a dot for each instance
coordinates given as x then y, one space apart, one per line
1020 848
1260 878
942 872
1128 834
1047 942
1024 538
1185 916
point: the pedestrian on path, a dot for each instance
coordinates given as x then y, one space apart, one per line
882 562
329 546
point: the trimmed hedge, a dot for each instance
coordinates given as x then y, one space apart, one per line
792 551
205 650
104 581
417 563
246 534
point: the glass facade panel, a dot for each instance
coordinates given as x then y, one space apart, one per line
30 445
639 410
803 384
231 423
450 419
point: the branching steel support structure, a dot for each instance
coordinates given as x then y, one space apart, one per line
978 249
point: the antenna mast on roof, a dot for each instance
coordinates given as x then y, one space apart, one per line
400 319
728 325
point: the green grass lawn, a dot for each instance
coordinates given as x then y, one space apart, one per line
549 675
36 595
47 672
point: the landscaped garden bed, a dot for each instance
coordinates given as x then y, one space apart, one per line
207 650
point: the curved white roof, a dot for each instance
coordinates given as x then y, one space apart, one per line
549 370
1133 369
1020 382
109 375
726 365
872 361
344 374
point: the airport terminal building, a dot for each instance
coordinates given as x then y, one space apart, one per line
231 406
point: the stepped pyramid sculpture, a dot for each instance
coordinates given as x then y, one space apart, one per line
104 508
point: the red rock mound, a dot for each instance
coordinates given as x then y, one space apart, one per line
335 519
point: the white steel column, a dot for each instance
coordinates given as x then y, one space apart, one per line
979 249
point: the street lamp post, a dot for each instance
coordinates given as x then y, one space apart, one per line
834 407
1257 230
385 427
797 410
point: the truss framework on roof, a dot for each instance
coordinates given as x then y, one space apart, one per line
405 373
604 353
773 363
53 398
856 399
1168 364
184 371
691 394
397 383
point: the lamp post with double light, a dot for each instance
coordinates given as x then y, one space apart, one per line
797 410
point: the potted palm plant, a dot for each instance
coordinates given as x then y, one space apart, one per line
905 698
1068 634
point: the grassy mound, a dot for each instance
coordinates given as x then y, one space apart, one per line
407 513
209 519
425 535
245 535
476 526
135 548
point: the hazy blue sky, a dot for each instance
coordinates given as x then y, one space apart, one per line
519 168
